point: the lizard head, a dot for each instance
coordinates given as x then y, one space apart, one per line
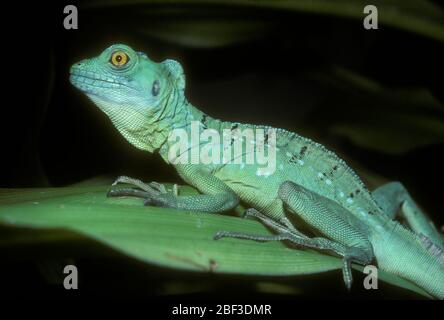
131 89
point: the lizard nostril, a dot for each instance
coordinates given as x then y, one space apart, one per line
81 63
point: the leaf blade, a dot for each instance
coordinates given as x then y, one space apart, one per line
169 238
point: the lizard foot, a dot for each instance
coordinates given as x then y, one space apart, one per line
153 193
151 198
151 187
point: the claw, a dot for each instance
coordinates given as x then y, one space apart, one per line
219 235
153 188
158 186
251 212
120 179
127 192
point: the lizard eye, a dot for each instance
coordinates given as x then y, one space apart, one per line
119 59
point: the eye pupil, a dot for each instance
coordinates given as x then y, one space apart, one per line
119 59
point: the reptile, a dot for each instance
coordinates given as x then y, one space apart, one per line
313 199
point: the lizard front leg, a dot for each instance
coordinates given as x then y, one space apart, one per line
216 195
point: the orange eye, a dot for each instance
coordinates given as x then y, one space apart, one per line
119 58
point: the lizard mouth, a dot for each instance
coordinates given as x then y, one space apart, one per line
91 84
85 78
94 85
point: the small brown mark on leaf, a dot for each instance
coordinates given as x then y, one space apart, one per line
187 260
212 265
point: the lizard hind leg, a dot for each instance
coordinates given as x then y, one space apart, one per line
292 235
296 239
393 197
282 232
280 227
342 233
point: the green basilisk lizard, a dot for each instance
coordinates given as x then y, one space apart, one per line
145 101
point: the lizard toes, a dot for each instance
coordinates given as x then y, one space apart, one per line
111 193
119 180
158 187
220 234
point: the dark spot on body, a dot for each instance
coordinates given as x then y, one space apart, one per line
156 88
204 121
303 150
332 171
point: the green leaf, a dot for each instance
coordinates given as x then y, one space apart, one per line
164 237
389 120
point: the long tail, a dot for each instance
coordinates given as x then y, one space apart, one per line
411 256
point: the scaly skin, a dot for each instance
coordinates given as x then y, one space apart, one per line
145 101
